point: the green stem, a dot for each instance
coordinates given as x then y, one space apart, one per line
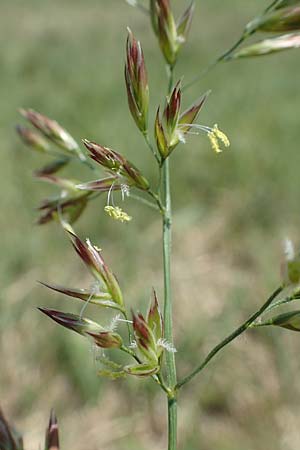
225 56
145 201
167 235
282 301
230 338
157 198
168 311
162 384
172 423
222 57
168 322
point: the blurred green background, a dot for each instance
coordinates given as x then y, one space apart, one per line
231 212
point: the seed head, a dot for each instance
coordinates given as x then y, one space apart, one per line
107 339
34 140
136 82
184 23
95 295
171 128
117 165
103 185
144 338
51 130
52 167
188 117
74 322
66 207
154 317
142 370
85 327
289 320
92 258
283 19
171 36
268 46
149 341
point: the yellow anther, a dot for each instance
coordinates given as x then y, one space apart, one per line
216 135
117 213
214 141
220 135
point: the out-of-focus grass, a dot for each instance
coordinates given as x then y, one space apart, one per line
231 212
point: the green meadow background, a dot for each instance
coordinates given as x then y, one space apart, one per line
231 212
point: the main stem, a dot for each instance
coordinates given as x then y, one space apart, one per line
168 322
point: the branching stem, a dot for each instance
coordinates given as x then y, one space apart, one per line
145 201
222 57
230 338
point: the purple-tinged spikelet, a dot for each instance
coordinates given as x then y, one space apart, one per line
136 82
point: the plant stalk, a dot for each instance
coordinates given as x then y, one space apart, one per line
168 321
230 338
172 423
167 237
168 310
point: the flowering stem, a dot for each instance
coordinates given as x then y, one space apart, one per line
222 57
225 56
145 201
282 301
167 231
168 324
230 338
157 198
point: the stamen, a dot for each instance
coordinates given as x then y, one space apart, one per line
214 134
222 136
117 213
214 142
196 126
109 193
